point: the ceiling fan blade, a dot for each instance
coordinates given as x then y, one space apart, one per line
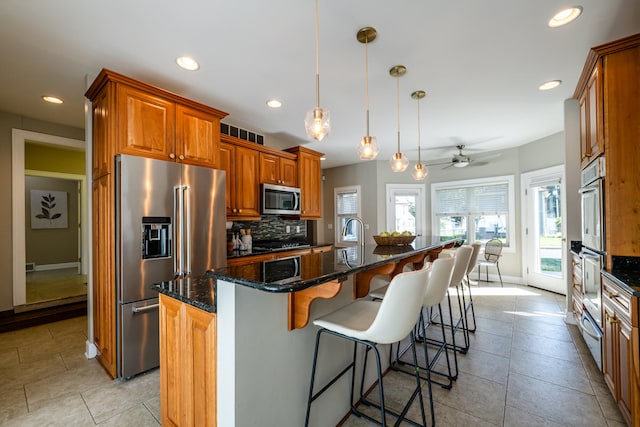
438 163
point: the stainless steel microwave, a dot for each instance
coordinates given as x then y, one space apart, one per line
280 200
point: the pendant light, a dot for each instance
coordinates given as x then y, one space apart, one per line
368 147
420 171
398 161
316 122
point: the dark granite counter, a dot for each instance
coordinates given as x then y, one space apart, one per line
323 267
625 272
242 254
314 269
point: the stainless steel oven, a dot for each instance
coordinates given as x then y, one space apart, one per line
282 270
591 289
592 202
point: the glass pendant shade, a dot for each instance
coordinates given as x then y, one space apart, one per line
399 162
368 148
317 123
419 172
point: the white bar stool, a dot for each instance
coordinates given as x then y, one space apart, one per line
437 284
371 323
472 264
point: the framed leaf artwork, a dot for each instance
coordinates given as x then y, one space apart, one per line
49 209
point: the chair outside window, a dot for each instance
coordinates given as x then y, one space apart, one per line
492 254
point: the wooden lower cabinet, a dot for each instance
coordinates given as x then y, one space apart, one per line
104 297
620 364
187 377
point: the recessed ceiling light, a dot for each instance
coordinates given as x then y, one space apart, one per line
274 103
551 84
187 63
565 16
53 99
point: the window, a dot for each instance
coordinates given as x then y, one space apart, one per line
347 204
405 208
479 209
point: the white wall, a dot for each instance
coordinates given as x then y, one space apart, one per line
372 176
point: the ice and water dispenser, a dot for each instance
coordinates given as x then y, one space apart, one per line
156 237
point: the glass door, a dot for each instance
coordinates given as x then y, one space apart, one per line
544 232
405 208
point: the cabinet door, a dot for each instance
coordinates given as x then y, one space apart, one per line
596 143
585 144
269 169
310 185
610 349
146 124
289 172
625 365
245 196
197 137
104 306
171 365
198 371
103 117
226 163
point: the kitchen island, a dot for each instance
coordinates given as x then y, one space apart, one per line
235 348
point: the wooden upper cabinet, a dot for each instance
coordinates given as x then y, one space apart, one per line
278 170
591 118
309 181
132 117
243 187
102 109
197 137
147 124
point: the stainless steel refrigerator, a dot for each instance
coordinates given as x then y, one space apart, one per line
170 223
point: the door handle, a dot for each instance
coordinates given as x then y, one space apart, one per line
145 308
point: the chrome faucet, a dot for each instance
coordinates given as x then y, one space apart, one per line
359 221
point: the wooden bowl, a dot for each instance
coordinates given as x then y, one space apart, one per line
393 240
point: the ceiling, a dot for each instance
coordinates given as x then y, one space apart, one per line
480 63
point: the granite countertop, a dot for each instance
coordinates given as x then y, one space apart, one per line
625 272
315 269
326 266
240 254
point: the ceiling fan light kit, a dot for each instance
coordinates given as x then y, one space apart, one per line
317 122
420 171
368 146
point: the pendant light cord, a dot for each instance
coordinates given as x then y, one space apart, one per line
366 73
419 162
317 63
398 105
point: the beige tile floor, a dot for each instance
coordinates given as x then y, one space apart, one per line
526 367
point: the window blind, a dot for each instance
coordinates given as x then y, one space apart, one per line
347 203
480 199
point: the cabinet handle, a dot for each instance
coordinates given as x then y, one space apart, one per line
610 319
612 295
181 157
172 156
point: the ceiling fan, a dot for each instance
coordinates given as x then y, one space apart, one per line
461 160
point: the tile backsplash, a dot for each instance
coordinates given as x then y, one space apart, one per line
271 227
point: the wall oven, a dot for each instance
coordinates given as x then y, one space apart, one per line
280 200
592 203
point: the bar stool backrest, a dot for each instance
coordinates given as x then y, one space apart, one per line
400 308
438 281
474 256
462 257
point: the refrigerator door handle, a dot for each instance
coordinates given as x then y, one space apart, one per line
186 236
145 308
177 230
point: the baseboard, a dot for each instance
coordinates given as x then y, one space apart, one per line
59 266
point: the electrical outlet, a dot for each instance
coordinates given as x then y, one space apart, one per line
330 226
366 226
288 229
297 228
